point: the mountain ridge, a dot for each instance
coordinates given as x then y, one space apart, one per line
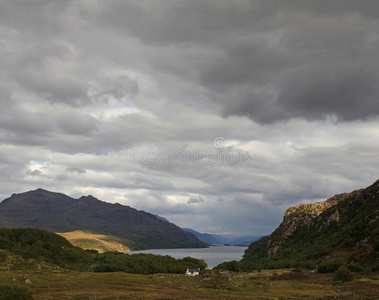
58 212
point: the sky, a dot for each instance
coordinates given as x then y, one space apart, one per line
217 115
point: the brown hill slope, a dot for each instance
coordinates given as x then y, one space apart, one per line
95 241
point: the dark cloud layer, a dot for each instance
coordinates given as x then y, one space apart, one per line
272 61
100 97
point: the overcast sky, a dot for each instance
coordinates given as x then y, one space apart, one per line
217 115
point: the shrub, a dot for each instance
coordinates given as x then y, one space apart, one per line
343 274
9 292
308 265
329 267
376 244
355 268
233 266
297 270
3 255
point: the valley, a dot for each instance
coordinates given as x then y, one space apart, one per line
322 250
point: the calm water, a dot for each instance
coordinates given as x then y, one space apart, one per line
213 255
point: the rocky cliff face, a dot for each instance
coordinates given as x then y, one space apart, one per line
348 221
304 216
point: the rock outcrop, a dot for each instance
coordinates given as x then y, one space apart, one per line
344 221
304 216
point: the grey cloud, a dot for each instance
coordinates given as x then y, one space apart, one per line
39 68
56 89
192 200
329 76
61 177
34 173
117 88
349 92
271 61
262 53
23 122
40 16
76 123
76 169
27 127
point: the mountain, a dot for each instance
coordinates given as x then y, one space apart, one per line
162 218
60 213
221 239
344 227
205 237
245 240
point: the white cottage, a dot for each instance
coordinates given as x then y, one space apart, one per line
192 272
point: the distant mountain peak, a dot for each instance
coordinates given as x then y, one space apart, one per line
41 190
88 197
60 213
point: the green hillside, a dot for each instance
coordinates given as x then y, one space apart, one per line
343 229
30 248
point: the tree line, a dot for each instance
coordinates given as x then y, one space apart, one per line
47 247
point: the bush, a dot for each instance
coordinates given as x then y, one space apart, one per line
355 268
144 263
297 270
233 266
343 274
376 244
3 255
329 267
248 267
9 292
307 265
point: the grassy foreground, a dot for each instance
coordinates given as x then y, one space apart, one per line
278 284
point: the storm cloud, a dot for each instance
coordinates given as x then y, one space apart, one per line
214 114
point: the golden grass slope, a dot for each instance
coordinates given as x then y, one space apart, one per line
95 241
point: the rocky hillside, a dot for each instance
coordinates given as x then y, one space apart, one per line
60 213
344 227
